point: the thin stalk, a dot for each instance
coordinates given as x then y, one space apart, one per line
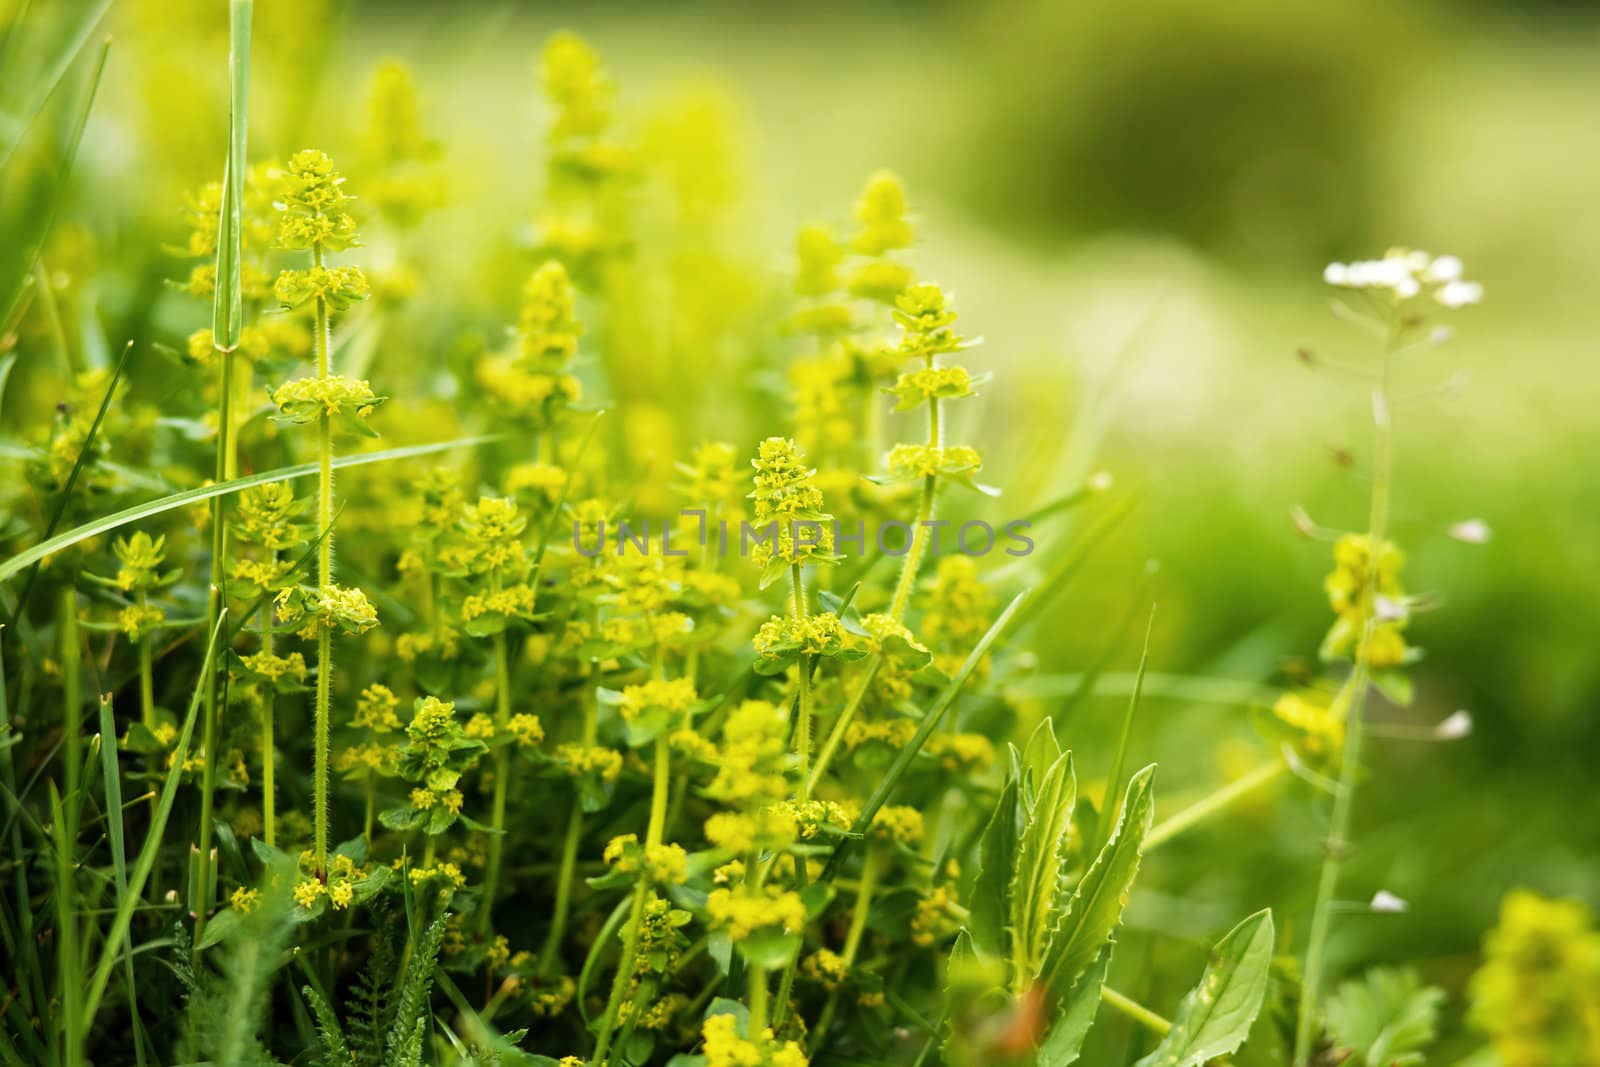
564 878
324 345
226 325
897 605
269 756
147 687
69 964
502 775
641 892
551 953
802 734
71 709
1135 1011
1214 804
852 944
758 1001
1354 698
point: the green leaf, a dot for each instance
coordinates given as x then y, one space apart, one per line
1216 1015
1092 915
1064 1040
1384 1019
152 508
1040 859
997 858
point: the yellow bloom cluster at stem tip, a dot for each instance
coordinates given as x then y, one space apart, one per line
1367 584
742 914
787 499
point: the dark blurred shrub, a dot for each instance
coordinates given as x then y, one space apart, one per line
1249 127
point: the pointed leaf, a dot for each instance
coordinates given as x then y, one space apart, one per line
1092 915
1216 1015
1064 1040
1041 856
997 858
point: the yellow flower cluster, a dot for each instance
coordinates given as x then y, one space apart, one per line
925 461
750 768
892 732
305 399
956 612
141 557
742 914
666 864
674 696
961 752
788 501
1319 719
723 1047
579 760
376 709
898 824
824 966
549 1001
525 729
266 517
1365 584
816 635
275 668
1537 994
140 620
338 287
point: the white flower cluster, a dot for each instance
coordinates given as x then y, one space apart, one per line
1406 274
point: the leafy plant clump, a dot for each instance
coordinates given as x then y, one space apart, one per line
500 716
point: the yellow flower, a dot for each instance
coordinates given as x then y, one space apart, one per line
525 729
307 893
245 901
375 709
742 915
898 823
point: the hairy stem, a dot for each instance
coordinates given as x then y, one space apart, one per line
324 582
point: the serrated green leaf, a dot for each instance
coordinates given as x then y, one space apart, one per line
1385 1018
1215 1016
1063 1041
1092 915
1041 855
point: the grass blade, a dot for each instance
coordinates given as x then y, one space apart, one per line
152 508
152 844
36 223
930 722
119 857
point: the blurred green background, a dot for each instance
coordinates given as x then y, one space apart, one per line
1133 204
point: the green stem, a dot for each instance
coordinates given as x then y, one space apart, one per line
564 878
897 606
502 777
852 943
758 1001
1214 804
147 686
214 603
71 708
641 892
802 733
1135 1011
1353 698
269 755
324 582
